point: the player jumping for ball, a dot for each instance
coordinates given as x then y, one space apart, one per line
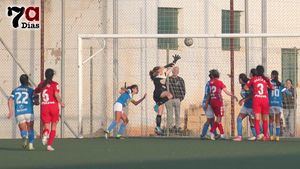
21 104
260 85
121 103
161 95
216 101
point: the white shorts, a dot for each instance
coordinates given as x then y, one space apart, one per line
275 110
247 111
209 112
24 118
118 107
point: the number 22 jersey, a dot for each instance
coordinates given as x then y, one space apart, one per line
23 100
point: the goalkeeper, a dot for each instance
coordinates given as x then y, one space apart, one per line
160 95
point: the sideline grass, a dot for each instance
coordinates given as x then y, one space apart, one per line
151 153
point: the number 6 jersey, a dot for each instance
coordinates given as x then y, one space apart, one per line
48 93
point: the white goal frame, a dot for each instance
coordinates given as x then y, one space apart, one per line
81 62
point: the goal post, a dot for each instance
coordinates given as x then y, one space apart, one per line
82 59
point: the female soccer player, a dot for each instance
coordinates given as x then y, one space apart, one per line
21 103
208 111
216 101
50 107
120 104
260 105
161 95
275 98
246 110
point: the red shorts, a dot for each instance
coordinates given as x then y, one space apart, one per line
217 108
50 113
260 105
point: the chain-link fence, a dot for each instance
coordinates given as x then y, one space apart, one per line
130 60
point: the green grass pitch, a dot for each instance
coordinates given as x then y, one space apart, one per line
152 153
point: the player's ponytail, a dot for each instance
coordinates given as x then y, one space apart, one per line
49 73
154 72
274 75
24 80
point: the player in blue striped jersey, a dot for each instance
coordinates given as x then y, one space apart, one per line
275 99
120 104
246 110
21 104
208 112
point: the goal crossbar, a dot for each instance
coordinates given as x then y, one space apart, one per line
234 35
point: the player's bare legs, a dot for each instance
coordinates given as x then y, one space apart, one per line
166 94
52 136
30 134
275 118
24 133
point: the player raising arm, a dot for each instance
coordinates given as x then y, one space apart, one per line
49 107
216 101
120 104
260 85
160 94
21 103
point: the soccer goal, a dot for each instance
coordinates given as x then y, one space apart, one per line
106 62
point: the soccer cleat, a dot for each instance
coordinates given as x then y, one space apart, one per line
272 138
212 136
30 147
238 138
223 137
50 148
260 136
253 138
158 131
277 138
45 140
106 134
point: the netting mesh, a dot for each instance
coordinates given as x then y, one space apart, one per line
137 56
135 60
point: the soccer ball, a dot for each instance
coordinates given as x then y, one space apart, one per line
188 41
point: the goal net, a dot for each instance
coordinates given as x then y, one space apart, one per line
106 62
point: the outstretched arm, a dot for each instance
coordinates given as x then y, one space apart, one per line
139 101
229 94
